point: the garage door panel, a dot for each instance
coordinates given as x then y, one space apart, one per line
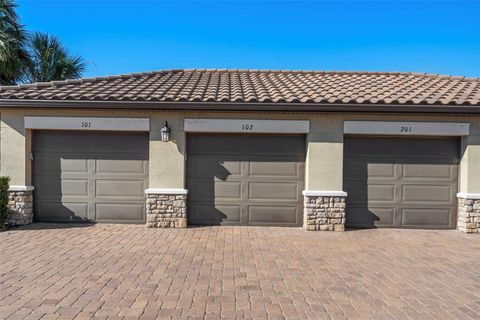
356 193
427 193
361 148
48 189
418 217
361 169
119 188
383 217
227 190
123 166
49 164
56 164
200 189
213 166
432 171
394 148
369 217
71 186
119 212
227 168
214 214
74 187
56 189
441 148
216 145
380 192
418 174
273 191
51 142
360 193
354 169
70 164
228 174
272 215
275 169
380 170
115 143
209 190
62 211
283 146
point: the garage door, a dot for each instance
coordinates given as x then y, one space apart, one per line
95 176
401 182
245 179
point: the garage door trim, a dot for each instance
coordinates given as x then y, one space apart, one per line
87 123
247 126
407 128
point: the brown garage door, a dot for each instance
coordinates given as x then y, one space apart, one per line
245 179
401 182
95 176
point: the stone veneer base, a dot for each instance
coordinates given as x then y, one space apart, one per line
468 215
324 213
166 210
20 207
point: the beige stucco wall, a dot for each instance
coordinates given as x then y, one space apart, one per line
14 148
167 159
324 163
470 165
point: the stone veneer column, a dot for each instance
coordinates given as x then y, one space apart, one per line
20 205
468 213
166 208
324 210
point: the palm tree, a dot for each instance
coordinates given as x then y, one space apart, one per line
13 55
49 60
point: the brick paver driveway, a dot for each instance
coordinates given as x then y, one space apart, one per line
124 271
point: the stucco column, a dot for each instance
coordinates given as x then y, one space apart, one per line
324 198
166 195
469 195
15 162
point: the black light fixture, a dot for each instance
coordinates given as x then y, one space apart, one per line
165 132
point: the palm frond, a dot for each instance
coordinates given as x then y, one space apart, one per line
13 53
49 60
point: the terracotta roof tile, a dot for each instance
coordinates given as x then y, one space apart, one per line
260 86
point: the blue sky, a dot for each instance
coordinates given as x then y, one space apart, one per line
121 36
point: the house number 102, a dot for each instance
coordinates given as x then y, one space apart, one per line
247 127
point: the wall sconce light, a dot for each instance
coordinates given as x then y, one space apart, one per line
165 132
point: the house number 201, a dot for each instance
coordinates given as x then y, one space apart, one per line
406 129
86 124
247 127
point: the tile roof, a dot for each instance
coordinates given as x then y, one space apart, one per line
259 86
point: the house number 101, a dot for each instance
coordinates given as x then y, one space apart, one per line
247 127
86 124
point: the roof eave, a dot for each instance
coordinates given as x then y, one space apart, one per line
240 106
